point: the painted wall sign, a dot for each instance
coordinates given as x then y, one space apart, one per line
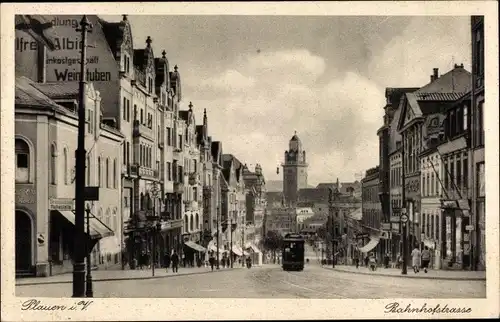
65 204
25 196
62 64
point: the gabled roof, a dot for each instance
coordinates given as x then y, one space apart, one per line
58 90
27 95
449 87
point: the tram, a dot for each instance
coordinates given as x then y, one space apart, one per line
293 252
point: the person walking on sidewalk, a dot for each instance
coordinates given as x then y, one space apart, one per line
212 261
426 258
415 259
175 262
356 260
166 260
373 262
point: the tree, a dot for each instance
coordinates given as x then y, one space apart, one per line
273 242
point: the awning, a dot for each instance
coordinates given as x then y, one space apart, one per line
237 251
254 248
194 246
97 228
374 240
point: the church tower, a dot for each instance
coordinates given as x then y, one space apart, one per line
294 171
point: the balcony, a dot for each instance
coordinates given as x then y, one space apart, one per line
178 187
148 173
142 130
194 178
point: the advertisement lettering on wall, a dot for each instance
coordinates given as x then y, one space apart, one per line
62 63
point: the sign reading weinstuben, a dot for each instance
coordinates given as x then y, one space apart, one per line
63 63
61 204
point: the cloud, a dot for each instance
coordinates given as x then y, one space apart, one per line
270 95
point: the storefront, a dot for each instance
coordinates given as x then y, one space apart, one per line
413 199
456 244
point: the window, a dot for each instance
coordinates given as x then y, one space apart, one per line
479 52
480 125
195 193
197 223
142 116
135 112
124 109
446 176
66 167
169 171
436 227
452 174
87 168
128 153
480 180
106 174
169 136
466 173
99 171
432 184
191 223
459 173
115 220
114 174
465 118
128 110
180 141
22 161
195 165
53 164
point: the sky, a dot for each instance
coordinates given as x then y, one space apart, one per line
261 78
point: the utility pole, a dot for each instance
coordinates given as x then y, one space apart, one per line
231 246
217 244
403 216
80 156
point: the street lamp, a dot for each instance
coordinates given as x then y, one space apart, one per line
88 289
80 153
404 220
156 228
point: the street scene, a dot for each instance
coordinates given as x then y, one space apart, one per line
320 157
270 281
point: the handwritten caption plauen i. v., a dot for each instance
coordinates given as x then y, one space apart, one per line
37 305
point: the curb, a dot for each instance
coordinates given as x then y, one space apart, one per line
410 276
126 278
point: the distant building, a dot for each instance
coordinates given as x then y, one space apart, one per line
303 213
282 220
294 171
372 215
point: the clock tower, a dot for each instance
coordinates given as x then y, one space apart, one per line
294 171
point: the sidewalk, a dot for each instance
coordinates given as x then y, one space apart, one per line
432 274
120 275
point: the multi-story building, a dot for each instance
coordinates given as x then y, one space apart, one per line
428 102
372 212
303 213
217 203
294 171
477 164
45 140
430 176
193 190
255 186
454 154
388 137
235 204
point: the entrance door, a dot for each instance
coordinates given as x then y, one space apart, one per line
24 241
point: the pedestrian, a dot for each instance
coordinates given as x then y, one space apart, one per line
386 260
426 258
212 261
367 259
356 260
415 259
175 262
399 263
373 261
166 260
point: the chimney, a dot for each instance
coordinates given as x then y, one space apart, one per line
436 73
432 78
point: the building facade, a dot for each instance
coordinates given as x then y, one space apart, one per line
281 220
478 185
372 214
45 141
294 171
